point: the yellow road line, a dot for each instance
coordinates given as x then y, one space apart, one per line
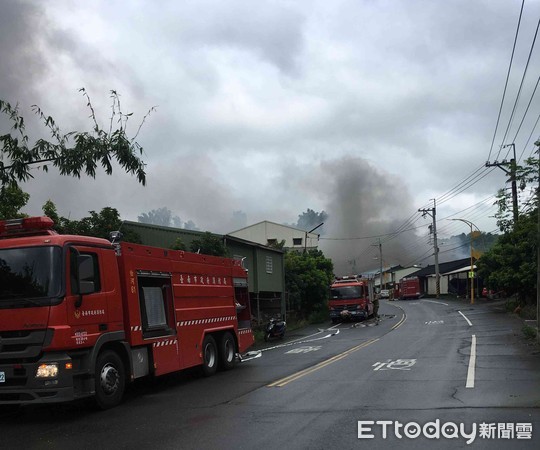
403 318
295 376
397 325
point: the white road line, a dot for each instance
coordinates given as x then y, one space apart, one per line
472 362
433 301
468 321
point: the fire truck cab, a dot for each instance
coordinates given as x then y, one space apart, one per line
81 316
351 298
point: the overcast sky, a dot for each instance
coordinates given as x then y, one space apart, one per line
364 109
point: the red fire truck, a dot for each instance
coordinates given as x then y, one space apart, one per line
81 316
409 287
351 298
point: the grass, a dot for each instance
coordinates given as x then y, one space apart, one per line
529 332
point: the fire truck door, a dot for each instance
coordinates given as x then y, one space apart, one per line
158 320
88 312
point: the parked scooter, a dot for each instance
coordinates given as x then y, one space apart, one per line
275 329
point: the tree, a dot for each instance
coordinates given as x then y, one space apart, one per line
277 245
161 216
526 175
190 225
178 245
97 224
12 200
310 219
73 153
164 217
307 279
209 244
510 265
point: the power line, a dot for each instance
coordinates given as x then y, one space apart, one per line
507 78
520 87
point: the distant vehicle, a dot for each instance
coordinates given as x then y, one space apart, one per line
385 293
409 287
491 294
351 298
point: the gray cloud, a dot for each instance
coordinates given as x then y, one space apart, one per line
22 63
364 109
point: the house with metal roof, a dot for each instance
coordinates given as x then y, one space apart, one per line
270 233
453 278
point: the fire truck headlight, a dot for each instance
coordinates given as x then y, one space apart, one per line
47 370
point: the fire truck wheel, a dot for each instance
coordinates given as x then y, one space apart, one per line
210 356
227 349
110 379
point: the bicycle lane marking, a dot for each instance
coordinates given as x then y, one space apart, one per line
295 376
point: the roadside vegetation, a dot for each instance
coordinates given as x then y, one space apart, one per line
511 263
308 276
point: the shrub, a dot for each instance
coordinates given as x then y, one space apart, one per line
529 332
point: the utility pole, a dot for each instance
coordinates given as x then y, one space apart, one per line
512 174
432 212
380 263
537 143
380 257
471 272
310 231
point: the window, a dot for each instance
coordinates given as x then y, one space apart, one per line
90 270
155 298
271 241
297 241
269 264
154 306
347 292
31 272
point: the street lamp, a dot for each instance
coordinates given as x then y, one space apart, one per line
310 231
471 273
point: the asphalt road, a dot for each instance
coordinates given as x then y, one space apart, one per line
427 367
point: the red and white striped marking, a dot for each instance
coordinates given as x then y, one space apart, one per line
187 323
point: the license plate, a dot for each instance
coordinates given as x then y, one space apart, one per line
2 377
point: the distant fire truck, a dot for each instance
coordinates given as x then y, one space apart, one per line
409 287
81 316
351 298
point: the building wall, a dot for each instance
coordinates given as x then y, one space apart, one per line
266 278
265 232
250 262
401 273
432 285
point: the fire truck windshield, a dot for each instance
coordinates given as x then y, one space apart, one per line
346 292
30 275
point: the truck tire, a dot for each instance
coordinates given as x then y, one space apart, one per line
210 356
110 379
227 350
